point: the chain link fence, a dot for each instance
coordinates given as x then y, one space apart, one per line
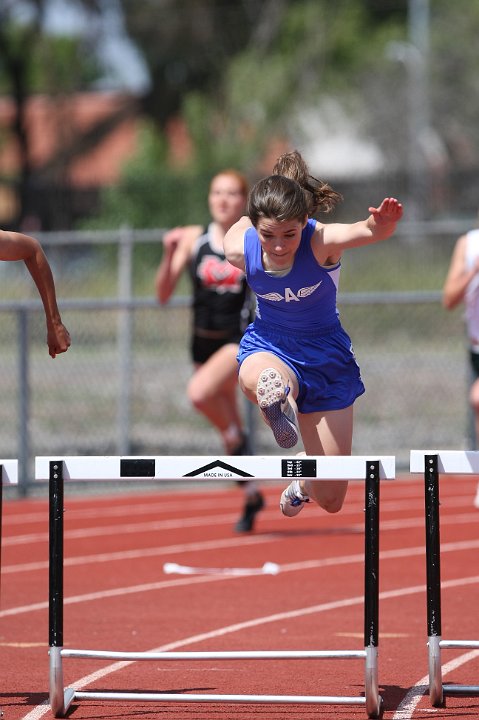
120 389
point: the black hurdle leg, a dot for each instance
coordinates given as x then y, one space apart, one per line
1 524
433 574
55 616
371 588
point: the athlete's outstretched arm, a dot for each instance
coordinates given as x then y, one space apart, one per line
16 246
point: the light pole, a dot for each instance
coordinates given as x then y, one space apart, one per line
414 55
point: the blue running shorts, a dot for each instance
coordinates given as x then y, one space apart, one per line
323 361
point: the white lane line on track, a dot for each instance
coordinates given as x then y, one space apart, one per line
42 709
197 504
163 584
118 511
168 507
126 529
121 556
406 707
404 523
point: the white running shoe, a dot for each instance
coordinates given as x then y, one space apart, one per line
292 499
277 411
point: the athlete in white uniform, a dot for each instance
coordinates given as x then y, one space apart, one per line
462 285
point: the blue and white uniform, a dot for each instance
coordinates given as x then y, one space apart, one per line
298 321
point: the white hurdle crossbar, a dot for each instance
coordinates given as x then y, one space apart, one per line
432 464
369 469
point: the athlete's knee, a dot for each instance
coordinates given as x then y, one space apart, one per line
197 394
331 499
247 383
332 505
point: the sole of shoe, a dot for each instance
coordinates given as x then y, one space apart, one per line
286 506
271 394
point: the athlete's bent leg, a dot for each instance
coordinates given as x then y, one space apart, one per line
327 433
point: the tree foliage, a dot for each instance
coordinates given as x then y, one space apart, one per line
32 61
243 74
288 57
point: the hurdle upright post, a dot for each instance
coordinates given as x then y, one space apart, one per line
58 702
1 521
371 587
433 578
1 524
433 464
8 474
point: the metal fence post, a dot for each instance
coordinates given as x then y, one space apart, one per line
125 333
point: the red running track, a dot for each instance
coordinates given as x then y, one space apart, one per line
117 597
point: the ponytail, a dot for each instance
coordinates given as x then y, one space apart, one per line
320 196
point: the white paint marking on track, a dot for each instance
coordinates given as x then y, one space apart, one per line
42 709
210 521
200 504
290 567
406 707
121 556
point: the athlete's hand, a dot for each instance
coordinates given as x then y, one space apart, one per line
58 339
390 211
172 239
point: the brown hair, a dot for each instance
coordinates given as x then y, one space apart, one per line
291 193
242 181
320 195
277 197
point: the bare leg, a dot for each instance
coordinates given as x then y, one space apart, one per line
273 385
327 433
213 392
474 400
252 367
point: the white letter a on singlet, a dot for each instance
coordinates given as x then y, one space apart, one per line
289 295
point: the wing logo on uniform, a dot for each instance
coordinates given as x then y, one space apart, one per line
307 291
290 295
272 296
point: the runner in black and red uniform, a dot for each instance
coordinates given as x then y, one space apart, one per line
220 314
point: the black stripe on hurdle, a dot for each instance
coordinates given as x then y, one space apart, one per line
55 608
433 545
371 555
137 467
1 521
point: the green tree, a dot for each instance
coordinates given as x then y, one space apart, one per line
293 55
31 62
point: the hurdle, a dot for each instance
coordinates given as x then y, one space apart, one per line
8 476
218 469
432 464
